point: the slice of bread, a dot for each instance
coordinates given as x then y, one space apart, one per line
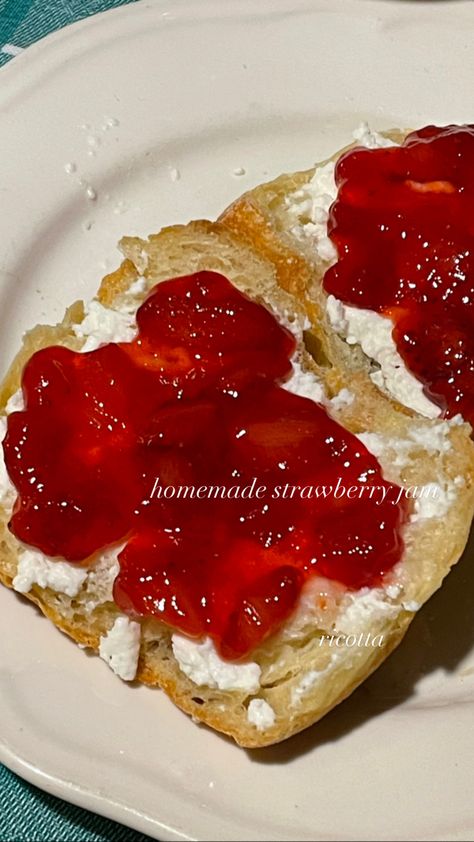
300 673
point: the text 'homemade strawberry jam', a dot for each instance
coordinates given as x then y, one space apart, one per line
194 401
403 225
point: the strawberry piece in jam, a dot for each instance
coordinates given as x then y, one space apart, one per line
109 439
402 225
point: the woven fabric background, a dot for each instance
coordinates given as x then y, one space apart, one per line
26 813
24 21
29 815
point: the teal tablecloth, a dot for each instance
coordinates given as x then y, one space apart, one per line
24 21
26 814
29 815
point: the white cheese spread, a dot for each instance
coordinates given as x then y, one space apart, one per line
102 325
373 333
201 663
120 648
308 211
34 568
305 384
260 714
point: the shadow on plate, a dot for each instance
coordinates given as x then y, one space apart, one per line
440 637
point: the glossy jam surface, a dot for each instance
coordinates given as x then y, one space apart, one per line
403 225
195 401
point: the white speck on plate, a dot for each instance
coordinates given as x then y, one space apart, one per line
110 123
90 192
121 207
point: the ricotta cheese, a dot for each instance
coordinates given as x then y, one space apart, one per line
308 207
305 384
393 591
364 136
129 303
100 579
120 648
364 608
201 663
7 489
34 568
308 211
307 682
102 324
15 403
432 437
411 605
373 333
260 714
434 500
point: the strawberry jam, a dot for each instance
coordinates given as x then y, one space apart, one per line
403 227
122 444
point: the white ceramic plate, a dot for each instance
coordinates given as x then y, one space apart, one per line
206 88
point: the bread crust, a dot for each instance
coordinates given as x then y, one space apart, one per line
257 259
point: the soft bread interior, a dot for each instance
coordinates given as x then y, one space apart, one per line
302 676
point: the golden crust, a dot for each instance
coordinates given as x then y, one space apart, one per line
255 257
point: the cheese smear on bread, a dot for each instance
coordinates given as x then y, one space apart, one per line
308 209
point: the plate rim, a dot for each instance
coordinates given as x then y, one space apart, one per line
78 796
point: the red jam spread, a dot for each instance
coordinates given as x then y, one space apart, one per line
194 402
403 225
